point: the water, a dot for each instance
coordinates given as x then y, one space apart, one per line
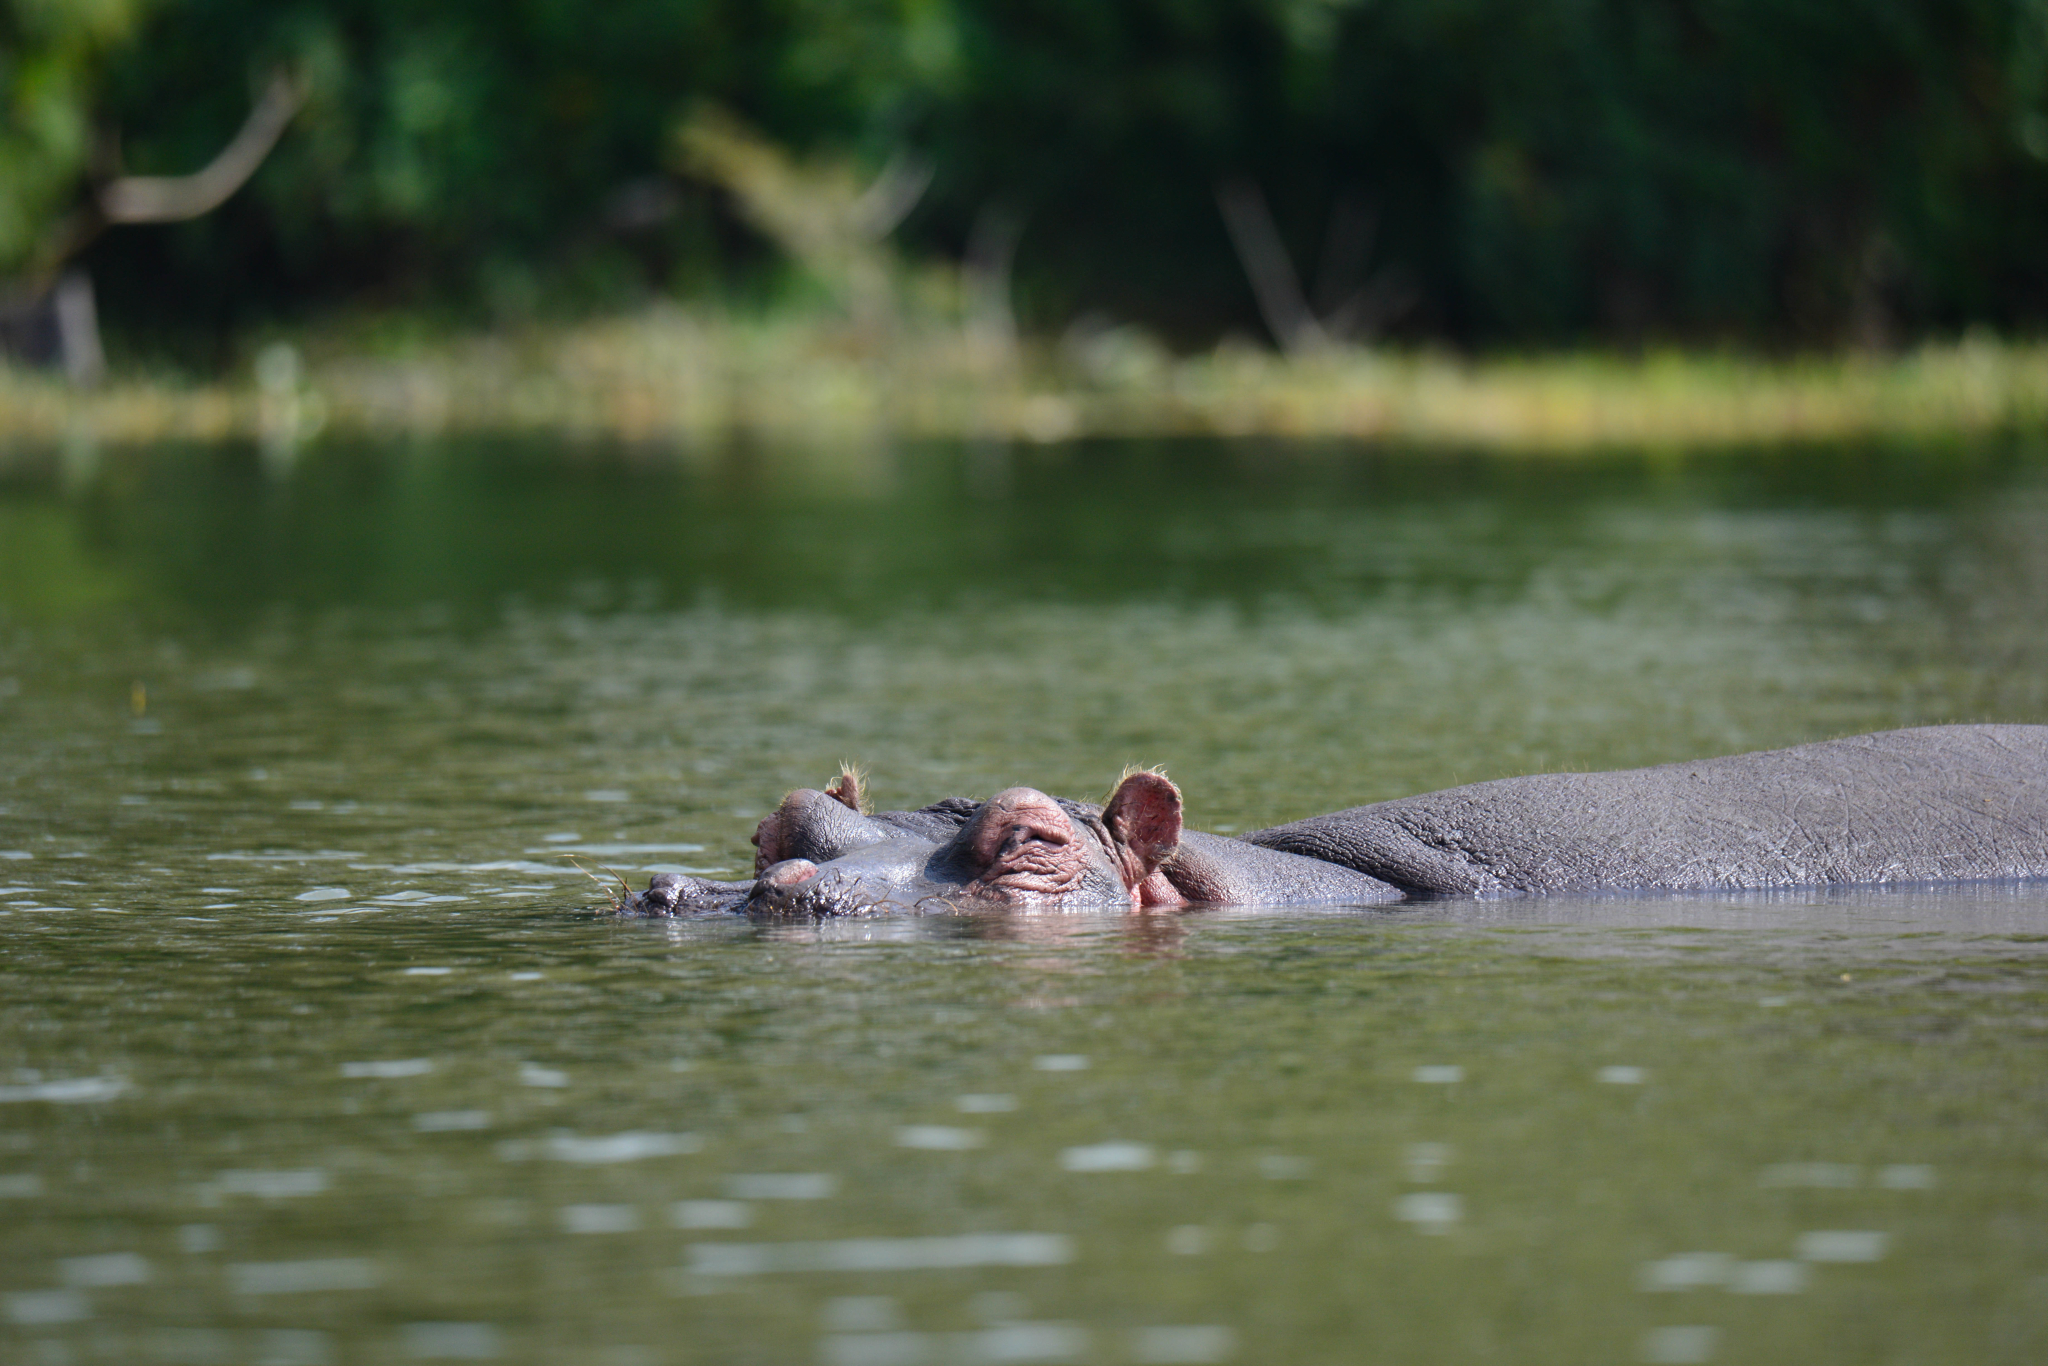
312 1051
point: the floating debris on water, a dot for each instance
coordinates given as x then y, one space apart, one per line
34 1308
600 1218
390 1069
1842 1245
710 1214
1767 1278
272 1185
782 1186
1108 1157
106 1268
303 1277
1429 1211
883 1254
1686 1271
69 1091
939 1137
632 1146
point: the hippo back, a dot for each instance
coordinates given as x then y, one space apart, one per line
1936 803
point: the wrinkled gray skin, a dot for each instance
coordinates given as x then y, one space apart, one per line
1940 803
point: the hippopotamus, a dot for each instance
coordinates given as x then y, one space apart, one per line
1930 804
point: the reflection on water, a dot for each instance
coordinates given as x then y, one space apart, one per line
311 1052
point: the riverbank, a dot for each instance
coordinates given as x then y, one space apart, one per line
670 375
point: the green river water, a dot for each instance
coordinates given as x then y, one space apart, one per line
314 1050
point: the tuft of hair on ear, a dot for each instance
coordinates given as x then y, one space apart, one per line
1132 771
851 787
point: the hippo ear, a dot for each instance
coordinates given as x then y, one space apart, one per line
851 789
1143 819
771 840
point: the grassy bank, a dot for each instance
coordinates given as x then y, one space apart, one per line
667 374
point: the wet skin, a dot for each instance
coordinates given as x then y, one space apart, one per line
1938 803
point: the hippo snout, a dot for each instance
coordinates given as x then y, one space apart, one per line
796 887
791 872
670 894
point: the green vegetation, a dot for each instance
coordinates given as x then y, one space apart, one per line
1052 218
1478 172
51 58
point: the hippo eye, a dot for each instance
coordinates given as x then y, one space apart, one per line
1030 859
1023 845
1025 833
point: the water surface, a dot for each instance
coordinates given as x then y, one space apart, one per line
312 1049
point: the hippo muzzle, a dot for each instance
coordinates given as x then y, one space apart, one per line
670 894
892 876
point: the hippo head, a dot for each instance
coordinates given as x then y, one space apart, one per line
818 854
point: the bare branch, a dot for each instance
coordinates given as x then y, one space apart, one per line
78 329
168 199
1347 246
1385 297
985 278
1264 258
896 191
817 211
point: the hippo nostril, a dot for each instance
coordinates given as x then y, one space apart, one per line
661 896
790 872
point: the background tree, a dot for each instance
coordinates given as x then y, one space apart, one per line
1531 171
52 54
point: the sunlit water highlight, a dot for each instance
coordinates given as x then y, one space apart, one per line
312 1050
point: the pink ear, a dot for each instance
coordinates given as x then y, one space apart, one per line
847 789
768 841
1143 819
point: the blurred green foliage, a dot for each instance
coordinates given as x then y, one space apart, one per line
1549 169
461 151
1776 171
51 53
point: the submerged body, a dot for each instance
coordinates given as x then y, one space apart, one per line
1938 803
